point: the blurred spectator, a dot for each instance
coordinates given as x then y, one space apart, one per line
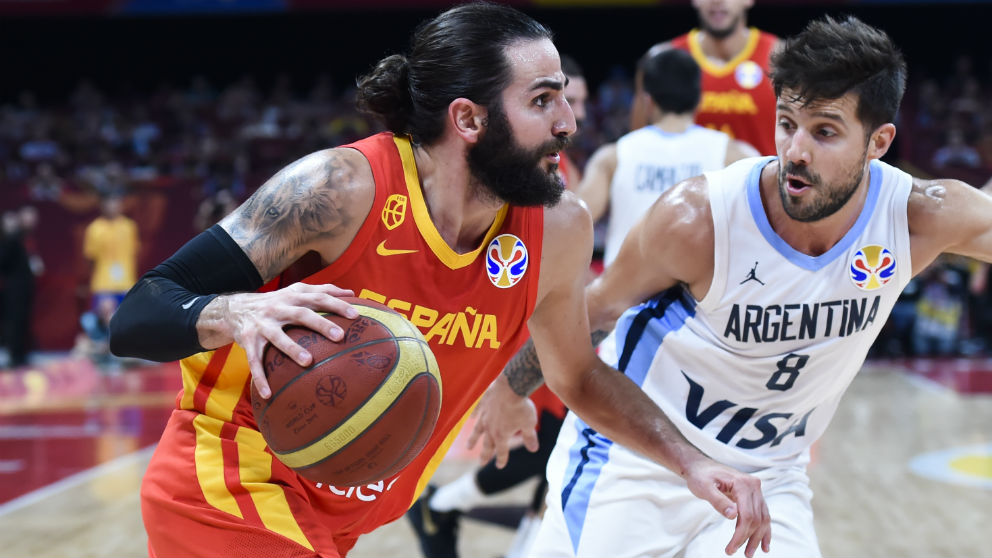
93 342
45 185
17 286
28 220
931 109
956 152
40 146
939 310
896 338
214 208
111 243
200 93
108 180
144 132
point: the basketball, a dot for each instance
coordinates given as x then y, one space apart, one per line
362 410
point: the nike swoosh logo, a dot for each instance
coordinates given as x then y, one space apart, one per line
383 251
190 303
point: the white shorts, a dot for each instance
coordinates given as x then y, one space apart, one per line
618 503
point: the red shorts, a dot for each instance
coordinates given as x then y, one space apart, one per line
213 489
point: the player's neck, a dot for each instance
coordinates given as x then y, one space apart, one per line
460 216
673 123
813 238
724 50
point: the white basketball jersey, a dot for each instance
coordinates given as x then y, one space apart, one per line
650 161
753 373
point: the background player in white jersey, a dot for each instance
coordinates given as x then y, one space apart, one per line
765 285
627 176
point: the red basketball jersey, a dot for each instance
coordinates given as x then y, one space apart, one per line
737 96
472 308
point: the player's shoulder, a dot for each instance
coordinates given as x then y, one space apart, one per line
567 242
679 41
566 215
340 169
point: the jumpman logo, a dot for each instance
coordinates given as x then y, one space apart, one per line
751 275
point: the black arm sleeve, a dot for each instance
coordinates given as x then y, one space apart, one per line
157 319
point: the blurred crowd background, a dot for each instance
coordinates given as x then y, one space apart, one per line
173 112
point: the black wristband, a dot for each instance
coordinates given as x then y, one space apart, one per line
157 319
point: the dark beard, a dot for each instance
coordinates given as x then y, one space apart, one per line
823 207
720 33
510 172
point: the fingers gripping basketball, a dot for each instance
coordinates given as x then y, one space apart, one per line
362 410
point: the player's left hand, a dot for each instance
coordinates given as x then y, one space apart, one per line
500 417
735 495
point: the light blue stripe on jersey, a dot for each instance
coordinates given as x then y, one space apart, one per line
805 261
642 328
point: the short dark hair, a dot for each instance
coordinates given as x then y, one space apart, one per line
459 53
672 78
830 58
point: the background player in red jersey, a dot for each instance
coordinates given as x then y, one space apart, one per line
478 119
737 93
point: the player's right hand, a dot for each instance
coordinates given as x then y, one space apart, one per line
255 319
502 416
735 495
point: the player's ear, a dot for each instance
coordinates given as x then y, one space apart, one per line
880 140
467 119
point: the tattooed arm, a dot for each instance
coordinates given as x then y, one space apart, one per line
179 308
317 203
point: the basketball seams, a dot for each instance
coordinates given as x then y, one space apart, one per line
401 455
303 372
364 415
358 437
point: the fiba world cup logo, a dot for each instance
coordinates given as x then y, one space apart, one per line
506 260
748 74
872 267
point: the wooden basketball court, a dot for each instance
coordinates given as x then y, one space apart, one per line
904 470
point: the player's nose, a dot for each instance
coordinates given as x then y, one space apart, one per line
564 123
797 148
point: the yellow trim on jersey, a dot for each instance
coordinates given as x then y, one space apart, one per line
227 388
422 216
255 470
229 385
728 68
191 378
209 460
